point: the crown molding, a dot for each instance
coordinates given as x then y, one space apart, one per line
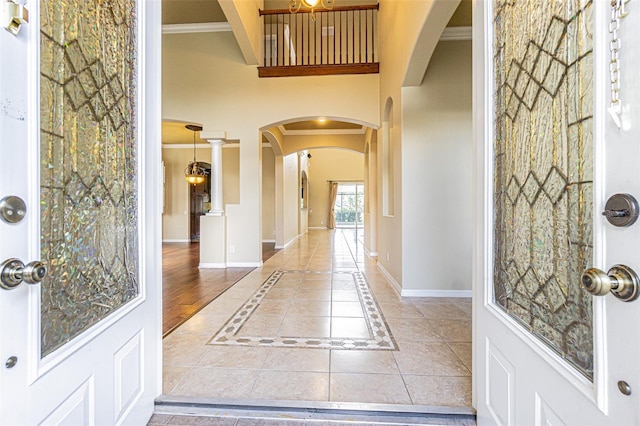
456 34
205 27
321 132
185 145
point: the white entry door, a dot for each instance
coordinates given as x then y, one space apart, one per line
549 155
79 132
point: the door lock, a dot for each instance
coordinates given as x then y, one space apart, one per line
13 16
12 208
621 281
621 210
13 272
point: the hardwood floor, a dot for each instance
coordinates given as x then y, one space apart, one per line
187 289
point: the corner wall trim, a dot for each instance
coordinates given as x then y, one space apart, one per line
397 287
205 27
212 266
407 292
456 34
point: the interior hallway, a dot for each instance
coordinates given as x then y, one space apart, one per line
320 323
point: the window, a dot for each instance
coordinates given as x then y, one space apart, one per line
349 206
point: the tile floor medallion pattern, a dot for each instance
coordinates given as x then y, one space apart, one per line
343 310
259 340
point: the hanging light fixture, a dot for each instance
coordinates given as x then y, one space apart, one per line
296 5
194 173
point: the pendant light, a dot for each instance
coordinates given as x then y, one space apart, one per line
296 5
194 173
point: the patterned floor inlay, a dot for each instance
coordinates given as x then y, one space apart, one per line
355 323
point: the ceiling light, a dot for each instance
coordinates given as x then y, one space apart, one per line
194 173
322 120
296 5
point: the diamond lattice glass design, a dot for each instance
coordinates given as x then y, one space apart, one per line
544 170
88 164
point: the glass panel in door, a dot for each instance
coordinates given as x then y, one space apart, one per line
89 194
544 171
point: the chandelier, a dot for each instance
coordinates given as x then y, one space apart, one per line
296 5
194 173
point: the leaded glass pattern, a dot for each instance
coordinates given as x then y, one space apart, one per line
88 164
544 170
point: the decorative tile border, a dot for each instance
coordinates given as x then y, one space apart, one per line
380 335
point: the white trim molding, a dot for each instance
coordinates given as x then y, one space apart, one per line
409 292
322 132
244 264
396 285
212 266
185 146
456 34
205 27
176 241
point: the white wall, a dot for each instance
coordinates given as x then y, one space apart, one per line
436 171
291 204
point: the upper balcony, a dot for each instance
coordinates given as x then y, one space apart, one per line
338 41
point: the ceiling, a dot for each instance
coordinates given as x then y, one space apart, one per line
176 133
201 11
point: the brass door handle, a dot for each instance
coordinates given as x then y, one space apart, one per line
621 281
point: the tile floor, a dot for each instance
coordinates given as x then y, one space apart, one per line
319 322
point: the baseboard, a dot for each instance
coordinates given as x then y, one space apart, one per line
212 266
372 254
176 241
317 227
244 264
268 241
435 293
288 243
397 287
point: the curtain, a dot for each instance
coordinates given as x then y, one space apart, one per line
333 193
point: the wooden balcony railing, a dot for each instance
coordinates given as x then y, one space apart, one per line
338 41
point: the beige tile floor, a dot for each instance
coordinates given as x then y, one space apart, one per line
430 366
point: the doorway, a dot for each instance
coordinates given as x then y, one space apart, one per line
199 202
349 205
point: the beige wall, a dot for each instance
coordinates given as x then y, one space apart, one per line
329 164
175 219
268 195
402 54
291 204
437 150
205 80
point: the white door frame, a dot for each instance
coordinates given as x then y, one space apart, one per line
584 401
82 372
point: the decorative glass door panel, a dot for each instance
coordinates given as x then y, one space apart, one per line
544 171
88 155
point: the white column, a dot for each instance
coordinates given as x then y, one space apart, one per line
217 208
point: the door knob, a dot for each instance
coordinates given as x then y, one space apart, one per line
621 281
13 272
